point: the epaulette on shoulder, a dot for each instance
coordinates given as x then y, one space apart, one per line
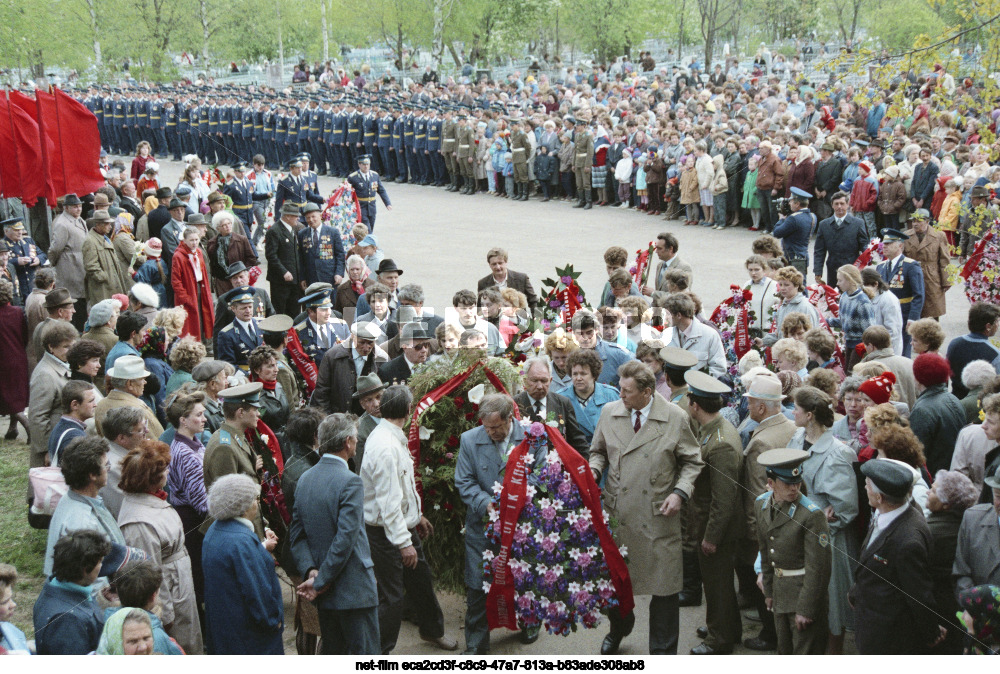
227 328
224 437
807 502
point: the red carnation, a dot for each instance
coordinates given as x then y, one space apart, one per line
452 441
747 295
459 401
470 416
475 407
448 506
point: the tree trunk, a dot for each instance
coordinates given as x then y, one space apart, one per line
98 61
399 49
680 30
326 31
454 54
281 41
205 33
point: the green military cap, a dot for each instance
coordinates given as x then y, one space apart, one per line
783 464
276 324
705 385
245 393
316 287
677 359
241 295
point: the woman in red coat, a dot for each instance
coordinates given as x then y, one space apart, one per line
801 170
143 155
190 281
13 344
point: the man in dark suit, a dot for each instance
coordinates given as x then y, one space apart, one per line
328 542
482 457
284 269
340 368
893 593
416 343
538 403
159 216
829 173
506 278
840 239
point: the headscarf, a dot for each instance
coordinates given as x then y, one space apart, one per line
111 642
983 604
150 203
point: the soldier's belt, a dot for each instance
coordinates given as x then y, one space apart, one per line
353 130
432 138
258 126
518 149
366 198
370 133
788 573
906 300
242 206
585 154
157 117
213 123
171 123
463 146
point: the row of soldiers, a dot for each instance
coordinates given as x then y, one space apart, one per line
409 140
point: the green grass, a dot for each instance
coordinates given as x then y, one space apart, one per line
20 545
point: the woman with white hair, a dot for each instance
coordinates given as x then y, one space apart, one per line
244 610
975 376
228 247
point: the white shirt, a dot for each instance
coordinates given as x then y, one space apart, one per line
643 413
883 520
391 498
323 335
249 327
538 405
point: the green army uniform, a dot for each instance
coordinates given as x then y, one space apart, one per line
715 515
519 149
449 139
466 150
228 453
795 558
583 162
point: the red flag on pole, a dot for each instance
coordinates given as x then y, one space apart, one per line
21 156
74 166
44 149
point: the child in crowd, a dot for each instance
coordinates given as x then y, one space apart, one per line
641 189
623 174
689 191
508 173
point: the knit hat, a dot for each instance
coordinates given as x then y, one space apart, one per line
879 387
101 313
866 166
154 248
789 382
231 495
931 369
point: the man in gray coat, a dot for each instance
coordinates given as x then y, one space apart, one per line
482 458
330 547
977 555
66 254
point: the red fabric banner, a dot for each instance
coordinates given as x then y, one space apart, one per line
44 144
977 255
742 342
303 363
500 601
21 156
74 166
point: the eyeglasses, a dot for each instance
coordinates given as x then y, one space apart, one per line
421 346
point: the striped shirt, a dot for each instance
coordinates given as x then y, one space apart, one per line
186 479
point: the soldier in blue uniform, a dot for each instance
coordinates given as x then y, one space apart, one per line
238 339
239 276
312 180
157 126
370 135
252 126
419 154
268 123
794 229
384 124
24 255
119 123
905 279
320 330
312 122
353 138
214 148
338 142
295 188
171 118
399 145
204 125
366 184
321 250
293 128
240 190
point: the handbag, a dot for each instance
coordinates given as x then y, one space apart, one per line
48 486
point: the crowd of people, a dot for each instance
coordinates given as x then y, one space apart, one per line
207 429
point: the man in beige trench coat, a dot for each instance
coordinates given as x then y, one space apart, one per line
653 460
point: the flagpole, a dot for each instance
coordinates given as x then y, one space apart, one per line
62 156
17 150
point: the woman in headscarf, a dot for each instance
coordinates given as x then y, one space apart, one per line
128 631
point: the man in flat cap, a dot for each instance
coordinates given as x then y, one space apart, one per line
65 252
341 366
284 268
715 520
794 541
893 592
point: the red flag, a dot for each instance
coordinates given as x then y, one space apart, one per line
21 157
74 166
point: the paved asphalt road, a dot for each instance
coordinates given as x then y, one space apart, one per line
440 240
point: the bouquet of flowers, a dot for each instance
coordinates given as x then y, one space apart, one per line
446 396
551 561
981 269
562 299
733 318
870 255
342 211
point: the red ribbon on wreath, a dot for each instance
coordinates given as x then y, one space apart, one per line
413 440
866 255
977 255
335 198
640 272
500 602
741 332
303 363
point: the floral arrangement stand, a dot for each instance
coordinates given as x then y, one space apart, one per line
552 560
342 211
447 395
733 317
980 270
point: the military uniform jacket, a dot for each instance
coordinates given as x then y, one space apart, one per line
321 254
714 512
385 131
241 192
772 433
229 453
520 147
906 281
583 151
339 328
465 138
368 186
448 136
235 344
420 134
26 247
291 189
794 536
